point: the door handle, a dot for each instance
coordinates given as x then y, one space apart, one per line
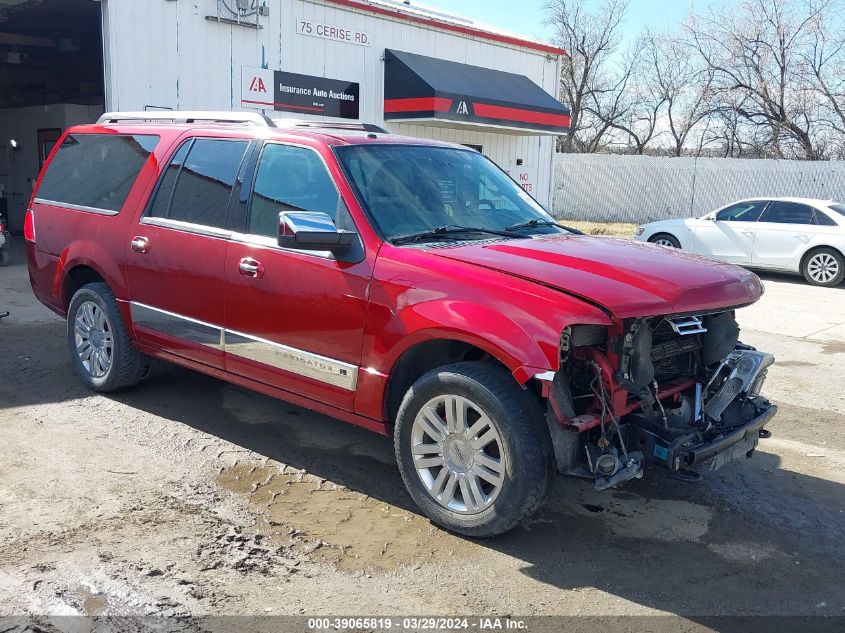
140 244
249 267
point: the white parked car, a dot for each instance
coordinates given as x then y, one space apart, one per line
783 234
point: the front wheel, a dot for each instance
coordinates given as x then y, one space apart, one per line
664 239
473 449
824 267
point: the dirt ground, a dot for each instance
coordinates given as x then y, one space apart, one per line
190 496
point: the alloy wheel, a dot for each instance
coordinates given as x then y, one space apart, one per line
458 454
662 241
92 335
823 268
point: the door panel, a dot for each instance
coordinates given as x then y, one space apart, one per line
294 319
784 232
730 235
176 253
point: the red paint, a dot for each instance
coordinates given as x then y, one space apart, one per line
446 26
490 111
509 299
417 104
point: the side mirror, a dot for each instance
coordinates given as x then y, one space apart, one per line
313 231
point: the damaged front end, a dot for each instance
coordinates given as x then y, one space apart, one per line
675 391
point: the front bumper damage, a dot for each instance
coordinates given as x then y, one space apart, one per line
733 444
699 418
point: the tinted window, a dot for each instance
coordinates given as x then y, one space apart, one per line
823 220
161 203
198 182
96 170
743 212
290 179
839 208
789 213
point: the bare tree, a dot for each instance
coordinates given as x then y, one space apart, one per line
824 60
755 50
681 82
641 105
591 83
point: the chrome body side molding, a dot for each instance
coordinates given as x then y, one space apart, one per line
289 359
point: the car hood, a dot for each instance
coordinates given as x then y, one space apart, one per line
626 278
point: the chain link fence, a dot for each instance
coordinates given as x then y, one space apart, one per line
639 189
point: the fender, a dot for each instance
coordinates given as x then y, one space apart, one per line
525 344
94 256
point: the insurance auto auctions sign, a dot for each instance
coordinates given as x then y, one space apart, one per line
304 94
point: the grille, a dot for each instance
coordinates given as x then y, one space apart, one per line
673 354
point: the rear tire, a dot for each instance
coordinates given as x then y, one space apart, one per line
473 449
6 256
100 348
824 267
665 239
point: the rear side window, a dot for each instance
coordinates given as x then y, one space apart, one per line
198 182
823 220
96 171
789 213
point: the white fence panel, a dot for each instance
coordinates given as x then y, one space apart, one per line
616 188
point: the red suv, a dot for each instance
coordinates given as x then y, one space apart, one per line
406 286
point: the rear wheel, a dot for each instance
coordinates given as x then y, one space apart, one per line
473 449
100 348
6 256
824 267
665 239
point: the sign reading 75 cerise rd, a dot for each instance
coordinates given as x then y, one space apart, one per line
332 32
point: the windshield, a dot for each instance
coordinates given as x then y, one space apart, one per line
409 189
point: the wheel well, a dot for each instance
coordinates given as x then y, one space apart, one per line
815 249
76 278
421 359
661 233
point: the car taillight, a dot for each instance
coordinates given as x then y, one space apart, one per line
29 226
2 227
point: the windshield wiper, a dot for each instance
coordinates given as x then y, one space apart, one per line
447 232
538 222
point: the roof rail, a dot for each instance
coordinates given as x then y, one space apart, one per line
329 125
193 116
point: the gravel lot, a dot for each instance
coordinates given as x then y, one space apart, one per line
190 496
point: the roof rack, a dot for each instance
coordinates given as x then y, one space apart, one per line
253 118
330 125
194 116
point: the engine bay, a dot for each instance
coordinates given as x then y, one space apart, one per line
679 391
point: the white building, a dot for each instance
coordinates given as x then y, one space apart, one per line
398 65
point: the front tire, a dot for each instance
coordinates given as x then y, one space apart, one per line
473 449
824 267
665 239
100 348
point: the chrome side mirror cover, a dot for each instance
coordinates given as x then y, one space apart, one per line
313 231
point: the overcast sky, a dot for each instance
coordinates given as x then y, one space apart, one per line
527 16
